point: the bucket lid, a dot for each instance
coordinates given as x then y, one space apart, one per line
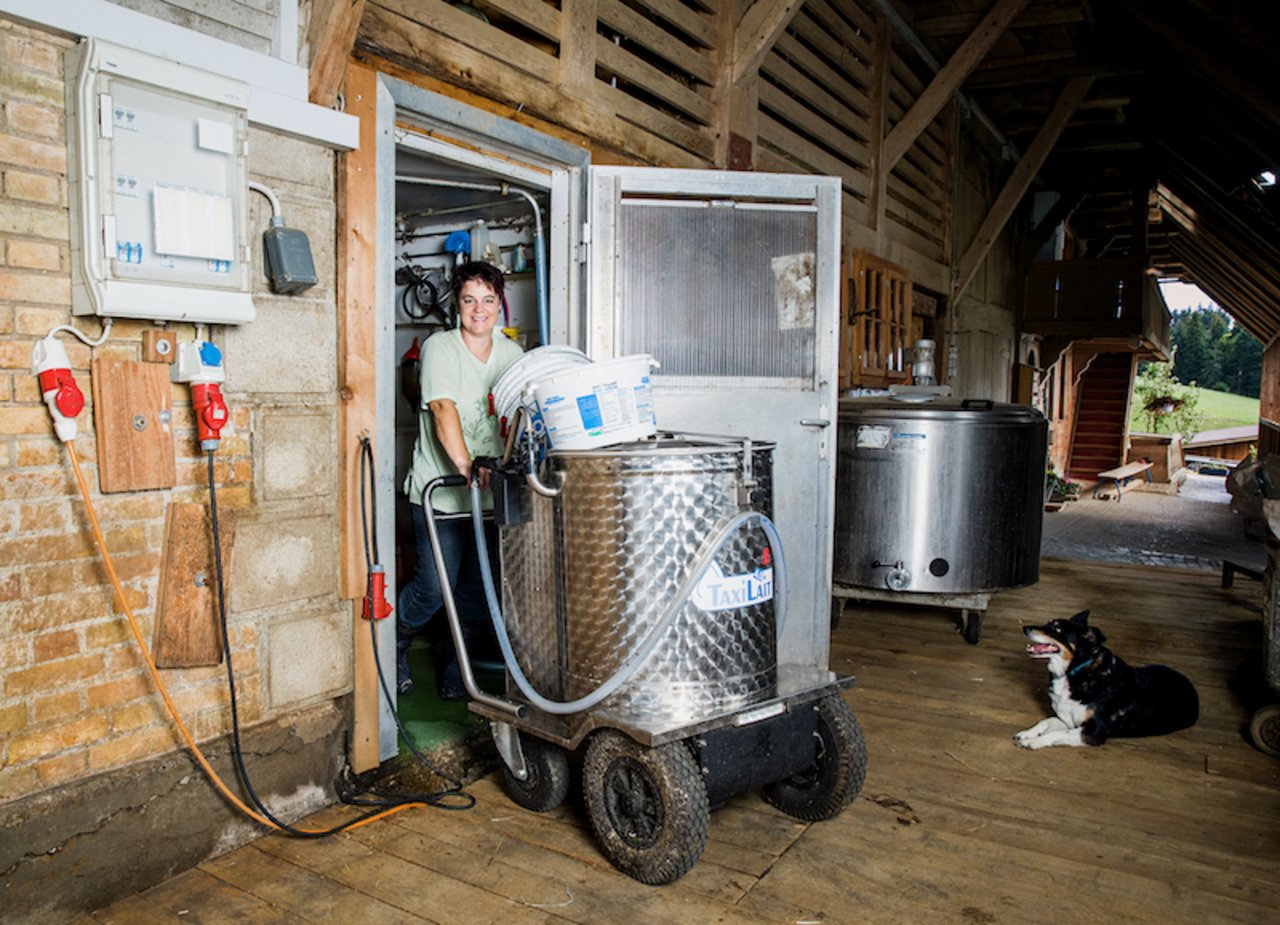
537 364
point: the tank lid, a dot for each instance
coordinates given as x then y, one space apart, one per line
934 407
667 443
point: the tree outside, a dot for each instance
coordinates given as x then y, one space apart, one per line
1163 403
1214 353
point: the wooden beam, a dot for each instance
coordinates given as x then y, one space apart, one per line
758 30
331 34
1039 18
1019 181
357 378
736 101
878 93
948 80
577 46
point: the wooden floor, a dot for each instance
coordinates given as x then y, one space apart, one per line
955 823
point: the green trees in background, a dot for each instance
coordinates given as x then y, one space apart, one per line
1214 353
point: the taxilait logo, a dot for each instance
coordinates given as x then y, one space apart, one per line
718 591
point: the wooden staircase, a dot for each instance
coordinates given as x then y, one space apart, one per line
1101 412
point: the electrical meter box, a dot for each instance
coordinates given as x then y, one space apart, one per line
158 180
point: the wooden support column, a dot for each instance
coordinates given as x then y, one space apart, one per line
878 121
357 377
577 47
1019 181
745 43
331 33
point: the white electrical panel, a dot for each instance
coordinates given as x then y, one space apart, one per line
158 179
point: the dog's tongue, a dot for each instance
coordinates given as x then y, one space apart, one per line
1040 648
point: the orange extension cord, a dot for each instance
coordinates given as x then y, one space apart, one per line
164 693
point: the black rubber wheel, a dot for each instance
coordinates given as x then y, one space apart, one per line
547 782
1264 729
648 806
839 767
971 623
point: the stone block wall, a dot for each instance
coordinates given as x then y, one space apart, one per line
75 700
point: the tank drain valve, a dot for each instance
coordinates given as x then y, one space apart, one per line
57 386
376 606
897 578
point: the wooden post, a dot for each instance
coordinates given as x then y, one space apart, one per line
357 378
878 121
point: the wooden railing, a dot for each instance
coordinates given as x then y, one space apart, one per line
1096 299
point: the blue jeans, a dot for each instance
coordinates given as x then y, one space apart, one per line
422 597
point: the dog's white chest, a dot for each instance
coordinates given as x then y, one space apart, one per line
1071 712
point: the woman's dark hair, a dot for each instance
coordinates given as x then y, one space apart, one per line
480 271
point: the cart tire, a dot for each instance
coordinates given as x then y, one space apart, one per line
547 782
971 623
1264 729
648 806
839 767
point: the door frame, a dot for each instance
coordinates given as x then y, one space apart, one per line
388 109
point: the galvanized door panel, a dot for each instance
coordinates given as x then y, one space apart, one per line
731 281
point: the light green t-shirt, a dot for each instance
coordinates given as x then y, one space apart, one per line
450 370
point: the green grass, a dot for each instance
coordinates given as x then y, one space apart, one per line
1217 409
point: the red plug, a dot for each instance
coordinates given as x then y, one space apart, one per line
376 601
57 386
211 413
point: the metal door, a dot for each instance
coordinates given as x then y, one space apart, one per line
731 280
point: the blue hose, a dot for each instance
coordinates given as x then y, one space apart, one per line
540 281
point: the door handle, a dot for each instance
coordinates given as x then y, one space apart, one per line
815 422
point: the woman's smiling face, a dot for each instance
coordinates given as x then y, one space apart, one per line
478 308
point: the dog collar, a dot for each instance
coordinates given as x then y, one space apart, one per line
1084 664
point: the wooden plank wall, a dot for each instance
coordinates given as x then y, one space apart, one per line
636 78
1269 406
816 116
645 82
247 23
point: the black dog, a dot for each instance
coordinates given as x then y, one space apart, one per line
1096 695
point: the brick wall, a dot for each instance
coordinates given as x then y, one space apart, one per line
75 699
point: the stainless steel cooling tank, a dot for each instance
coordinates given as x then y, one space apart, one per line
594 570
941 496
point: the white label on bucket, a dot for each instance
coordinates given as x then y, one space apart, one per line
718 591
607 408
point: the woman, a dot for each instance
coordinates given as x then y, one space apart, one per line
459 368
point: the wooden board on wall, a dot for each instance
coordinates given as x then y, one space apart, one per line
133 420
187 627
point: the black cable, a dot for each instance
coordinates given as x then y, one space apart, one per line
237 750
369 524
421 298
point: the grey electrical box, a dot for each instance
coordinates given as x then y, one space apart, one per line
158 182
286 258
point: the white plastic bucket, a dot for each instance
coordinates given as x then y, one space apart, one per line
513 389
599 404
